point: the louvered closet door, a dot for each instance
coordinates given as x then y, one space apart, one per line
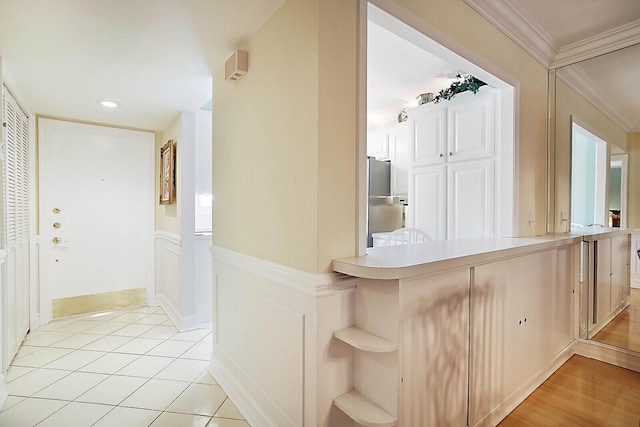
16 223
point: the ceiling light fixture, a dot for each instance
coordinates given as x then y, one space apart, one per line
109 104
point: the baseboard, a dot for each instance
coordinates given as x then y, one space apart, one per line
606 353
240 396
183 323
529 387
4 392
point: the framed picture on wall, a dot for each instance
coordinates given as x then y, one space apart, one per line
167 173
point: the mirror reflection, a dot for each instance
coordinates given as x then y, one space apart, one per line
597 153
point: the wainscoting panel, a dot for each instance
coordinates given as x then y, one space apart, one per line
168 283
272 353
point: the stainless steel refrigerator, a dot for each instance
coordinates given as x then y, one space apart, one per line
382 214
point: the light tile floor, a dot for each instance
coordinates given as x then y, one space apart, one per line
125 368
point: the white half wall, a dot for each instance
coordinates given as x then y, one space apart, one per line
273 351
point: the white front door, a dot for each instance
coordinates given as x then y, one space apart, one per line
96 210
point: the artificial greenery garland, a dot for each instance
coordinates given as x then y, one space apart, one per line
462 84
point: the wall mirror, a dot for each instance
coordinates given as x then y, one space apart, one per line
594 110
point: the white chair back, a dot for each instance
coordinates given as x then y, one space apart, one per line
406 236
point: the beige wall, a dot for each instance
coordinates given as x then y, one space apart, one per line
571 104
285 135
633 147
168 216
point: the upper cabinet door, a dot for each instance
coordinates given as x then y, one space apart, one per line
378 144
471 125
400 156
429 135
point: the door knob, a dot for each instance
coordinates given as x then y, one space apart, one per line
56 210
56 240
56 225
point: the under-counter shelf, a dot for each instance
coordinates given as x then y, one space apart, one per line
363 411
363 340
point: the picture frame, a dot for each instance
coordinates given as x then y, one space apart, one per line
167 173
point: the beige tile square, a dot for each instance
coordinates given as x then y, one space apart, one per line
107 343
225 422
29 412
146 366
44 339
34 381
128 417
133 330
42 357
11 401
168 323
76 414
76 341
200 351
138 346
183 370
110 363
106 316
199 399
106 328
71 386
208 338
206 378
229 410
153 319
155 394
78 326
168 419
194 335
160 332
171 348
75 360
113 390
26 350
146 310
16 372
129 317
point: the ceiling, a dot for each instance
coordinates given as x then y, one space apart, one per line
153 57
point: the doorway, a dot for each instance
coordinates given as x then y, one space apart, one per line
96 217
589 178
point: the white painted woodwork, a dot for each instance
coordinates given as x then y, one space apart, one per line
635 259
15 201
427 201
434 349
106 200
620 288
365 341
602 279
363 411
470 199
471 126
429 138
563 296
273 347
399 154
378 144
203 278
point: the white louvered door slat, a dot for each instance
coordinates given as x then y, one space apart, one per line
16 223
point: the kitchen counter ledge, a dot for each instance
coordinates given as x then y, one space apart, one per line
403 261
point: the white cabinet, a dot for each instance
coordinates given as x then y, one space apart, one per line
611 275
427 198
434 349
513 323
399 153
452 177
392 143
635 259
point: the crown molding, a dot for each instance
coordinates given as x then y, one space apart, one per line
580 81
516 24
608 41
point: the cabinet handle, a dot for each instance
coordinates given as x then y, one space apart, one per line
442 155
450 153
519 322
525 320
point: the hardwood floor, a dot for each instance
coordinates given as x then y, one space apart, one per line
583 392
624 330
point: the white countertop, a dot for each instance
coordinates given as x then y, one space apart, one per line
402 261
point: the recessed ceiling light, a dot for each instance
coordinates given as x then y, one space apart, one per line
109 104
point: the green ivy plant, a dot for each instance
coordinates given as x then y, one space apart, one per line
461 84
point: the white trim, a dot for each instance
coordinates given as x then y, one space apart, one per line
577 79
176 239
317 285
4 392
516 24
182 323
624 186
608 41
3 256
605 353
